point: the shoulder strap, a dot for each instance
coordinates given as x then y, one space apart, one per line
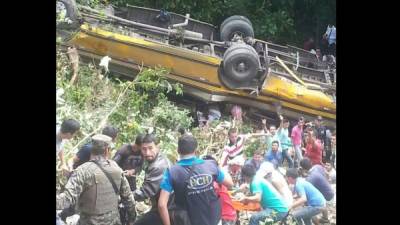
108 176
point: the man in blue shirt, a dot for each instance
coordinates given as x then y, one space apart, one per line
83 155
307 194
256 160
191 179
274 156
317 176
270 199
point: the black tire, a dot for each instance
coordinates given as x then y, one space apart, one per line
235 17
241 63
236 26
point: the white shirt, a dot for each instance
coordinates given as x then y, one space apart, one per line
279 183
331 34
59 141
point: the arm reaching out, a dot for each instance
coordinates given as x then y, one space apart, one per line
162 207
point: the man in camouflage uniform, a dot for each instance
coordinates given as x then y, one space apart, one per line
91 188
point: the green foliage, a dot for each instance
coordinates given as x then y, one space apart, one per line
276 27
169 144
132 106
254 144
245 128
167 115
281 21
91 3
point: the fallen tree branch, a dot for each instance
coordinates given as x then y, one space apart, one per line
211 143
105 119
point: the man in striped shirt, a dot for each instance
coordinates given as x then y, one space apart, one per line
234 147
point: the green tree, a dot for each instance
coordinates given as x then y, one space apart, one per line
279 21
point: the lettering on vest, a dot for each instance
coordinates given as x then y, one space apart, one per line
200 181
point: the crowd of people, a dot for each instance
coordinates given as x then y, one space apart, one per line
102 187
325 51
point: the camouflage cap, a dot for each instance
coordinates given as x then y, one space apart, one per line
102 137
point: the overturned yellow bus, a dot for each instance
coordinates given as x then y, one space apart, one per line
214 65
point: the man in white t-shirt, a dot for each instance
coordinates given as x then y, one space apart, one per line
271 135
67 131
268 172
330 36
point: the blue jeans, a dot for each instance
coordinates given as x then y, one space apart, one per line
298 155
306 213
285 155
262 215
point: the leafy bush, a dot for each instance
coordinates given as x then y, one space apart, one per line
96 100
281 21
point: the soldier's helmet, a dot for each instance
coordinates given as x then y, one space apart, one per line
103 138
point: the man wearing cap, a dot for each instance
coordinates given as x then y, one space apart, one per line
191 179
268 172
82 156
97 185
